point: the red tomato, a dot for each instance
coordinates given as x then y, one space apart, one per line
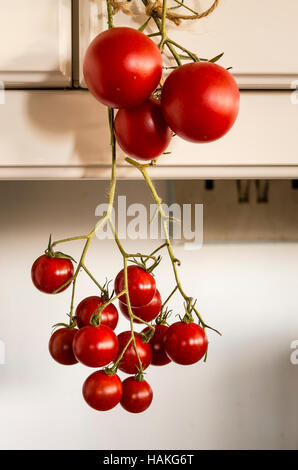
141 286
129 363
200 101
137 395
60 346
185 343
148 312
157 342
101 391
122 67
48 274
109 315
95 346
141 131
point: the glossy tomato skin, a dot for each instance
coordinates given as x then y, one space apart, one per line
95 346
142 131
129 363
48 274
89 305
159 356
200 101
147 312
137 395
185 343
101 391
60 346
122 67
141 286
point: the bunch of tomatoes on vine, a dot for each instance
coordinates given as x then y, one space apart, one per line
197 101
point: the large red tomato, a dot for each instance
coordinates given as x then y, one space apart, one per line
95 346
185 343
147 312
60 346
102 391
129 362
200 101
141 286
142 131
48 274
85 309
137 395
159 357
122 67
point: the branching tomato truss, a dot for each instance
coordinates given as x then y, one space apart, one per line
133 356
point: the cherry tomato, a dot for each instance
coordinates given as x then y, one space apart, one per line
141 286
102 391
129 363
137 395
95 346
60 346
146 313
200 101
141 131
185 343
159 356
109 315
122 67
48 274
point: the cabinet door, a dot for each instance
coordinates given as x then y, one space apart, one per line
35 43
65 134
259 38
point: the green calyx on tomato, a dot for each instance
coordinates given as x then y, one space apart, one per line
139 377
56 254
142 263
162 318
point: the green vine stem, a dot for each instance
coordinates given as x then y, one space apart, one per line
189 300
107 218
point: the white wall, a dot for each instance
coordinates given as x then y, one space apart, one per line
244 397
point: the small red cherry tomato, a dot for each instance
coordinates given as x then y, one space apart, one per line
102 391
142 131
122 67
95 346
141 286
185 343
129 362
159 356
48 274
200 101
60 346
89 305
148 312
137 395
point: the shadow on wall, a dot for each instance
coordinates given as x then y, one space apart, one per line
76 113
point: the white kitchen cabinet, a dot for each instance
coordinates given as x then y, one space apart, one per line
259 39
64 133
35 43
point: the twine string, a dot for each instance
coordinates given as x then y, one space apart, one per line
154 9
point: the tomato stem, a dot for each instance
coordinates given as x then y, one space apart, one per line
107 218
189 300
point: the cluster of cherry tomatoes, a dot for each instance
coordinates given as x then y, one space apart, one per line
199 102
91 339
123 69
